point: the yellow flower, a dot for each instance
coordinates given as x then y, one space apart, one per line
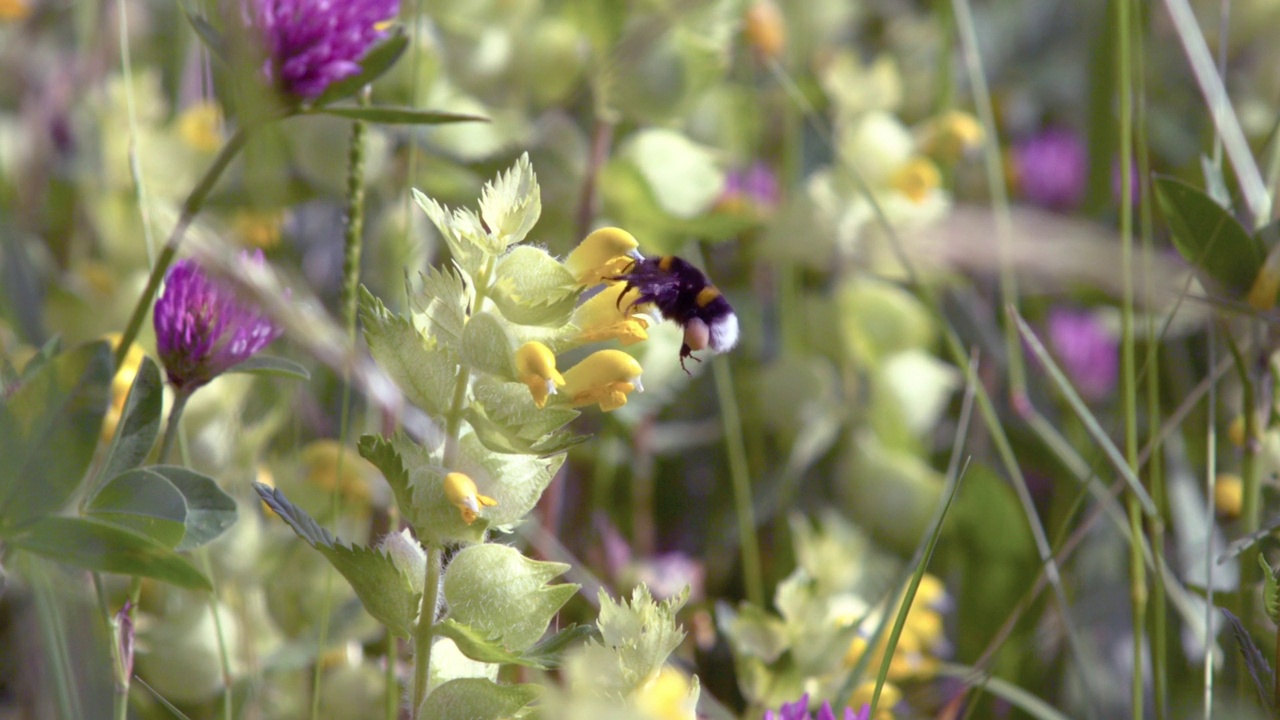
916 179
603 254
13 10
667 696
765 29
1228 495
258 228
604 377
120 385
951 134
915 655
200 125
890 695
321 469
609 315
461 491
536 367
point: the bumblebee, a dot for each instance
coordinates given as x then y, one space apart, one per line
682 293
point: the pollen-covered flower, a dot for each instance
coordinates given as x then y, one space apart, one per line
605 378
604 254
461 490
536 367
203 328
311 44
609 315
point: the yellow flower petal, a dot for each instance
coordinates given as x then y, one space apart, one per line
605 377
461 491
536 367
603 254
667 696
120 384
916 179
200 127
610 315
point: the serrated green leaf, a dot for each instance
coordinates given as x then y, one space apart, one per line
547 651
441 307
397 115
1270 590
382 453
104 547
271 366
1256 663
636 639
418 366
503 440
515 481
511 203
376 62
210 511
501 593
49 427
478 699
533 288
488 347
462 231
481 646
144 502
510 405
1209 237
380 585
139 421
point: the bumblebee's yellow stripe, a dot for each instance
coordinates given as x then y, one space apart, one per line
707 294
665 263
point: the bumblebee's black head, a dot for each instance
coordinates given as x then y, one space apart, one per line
682 293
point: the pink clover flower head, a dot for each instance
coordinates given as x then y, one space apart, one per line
203 327
799 710
754 189
1052 169
1088 351
311 44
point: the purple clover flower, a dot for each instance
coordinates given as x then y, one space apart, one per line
754 189
799 710
1088 352
311 44
203 327
1052 168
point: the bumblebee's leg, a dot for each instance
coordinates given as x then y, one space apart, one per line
686 352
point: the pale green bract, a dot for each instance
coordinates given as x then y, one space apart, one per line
495 589
636 639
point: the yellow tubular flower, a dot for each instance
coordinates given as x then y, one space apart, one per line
666 697
766 31
200 127
11 10
536 367
258 228
603 254
604 377
1228 495
461 490
916 179
952 134
120 385
890 695
609 315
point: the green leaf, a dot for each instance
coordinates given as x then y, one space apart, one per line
515 481
1209 237
441 307
382 453
421 369
380 585
478 699
49 427
503 594
504 440
682 174
208 35
533 288
397 115
271 366
511 204
1270 590
210 511
462 231
144 502
547 651
376 62
139 421
510 405
488 347
635 640
1254 661
481 646
104 547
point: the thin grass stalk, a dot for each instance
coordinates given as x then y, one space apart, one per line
1151 373
131 111
1211 470
740 475
1251 506
1129 387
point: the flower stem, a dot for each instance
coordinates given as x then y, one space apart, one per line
425 632
355 220
171 429
741 476
190 207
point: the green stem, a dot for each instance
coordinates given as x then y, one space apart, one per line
391 698
124 676
190 207
355 220
741 476
171 429
425 632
